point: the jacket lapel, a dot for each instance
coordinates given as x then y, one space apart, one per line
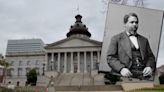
142 44
125 42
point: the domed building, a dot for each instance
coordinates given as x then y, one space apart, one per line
75 54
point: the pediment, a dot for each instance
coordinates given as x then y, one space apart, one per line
74 42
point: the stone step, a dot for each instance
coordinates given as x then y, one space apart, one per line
73 80
42 81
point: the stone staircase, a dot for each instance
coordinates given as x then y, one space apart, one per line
82 82
42 81
78 79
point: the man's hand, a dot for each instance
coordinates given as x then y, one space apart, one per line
125 72
147 71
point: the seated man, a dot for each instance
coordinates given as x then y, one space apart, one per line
129 54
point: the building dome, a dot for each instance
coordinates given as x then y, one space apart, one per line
78 28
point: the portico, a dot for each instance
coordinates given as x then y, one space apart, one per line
73 61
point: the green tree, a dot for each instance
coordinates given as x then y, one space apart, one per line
32 77
6 65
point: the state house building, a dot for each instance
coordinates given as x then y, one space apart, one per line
75 54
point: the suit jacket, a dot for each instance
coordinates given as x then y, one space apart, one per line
119 53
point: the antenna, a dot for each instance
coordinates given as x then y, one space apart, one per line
78 7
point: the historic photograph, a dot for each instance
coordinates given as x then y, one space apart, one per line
131 41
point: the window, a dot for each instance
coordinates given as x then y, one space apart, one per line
28 62
37 62
20 63
27 70
12 63
10 72
19 71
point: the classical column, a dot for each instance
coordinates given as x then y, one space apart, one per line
85 63
58 61
46 61
52 61
72 66
91 60
78 62
65 62
98 56
98 59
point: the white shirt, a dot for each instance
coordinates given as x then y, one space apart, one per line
133 39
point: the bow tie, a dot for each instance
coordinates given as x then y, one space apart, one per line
133 35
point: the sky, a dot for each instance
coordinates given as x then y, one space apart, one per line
50 20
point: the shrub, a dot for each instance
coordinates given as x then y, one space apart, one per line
32 77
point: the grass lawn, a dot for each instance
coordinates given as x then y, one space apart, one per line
158 88
23 89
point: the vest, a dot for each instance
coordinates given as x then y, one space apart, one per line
137 63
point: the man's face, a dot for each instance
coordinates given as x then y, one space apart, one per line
132 25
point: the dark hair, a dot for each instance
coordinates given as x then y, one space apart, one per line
126 17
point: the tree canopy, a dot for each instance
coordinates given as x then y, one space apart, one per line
32 77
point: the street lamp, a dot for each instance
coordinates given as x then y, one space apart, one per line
43 69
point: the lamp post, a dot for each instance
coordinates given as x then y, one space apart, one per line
43 69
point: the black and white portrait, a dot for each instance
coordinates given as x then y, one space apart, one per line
131 41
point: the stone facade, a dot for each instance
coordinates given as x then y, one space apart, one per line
24 55
20 65
73 55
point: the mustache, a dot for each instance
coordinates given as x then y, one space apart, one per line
134 28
